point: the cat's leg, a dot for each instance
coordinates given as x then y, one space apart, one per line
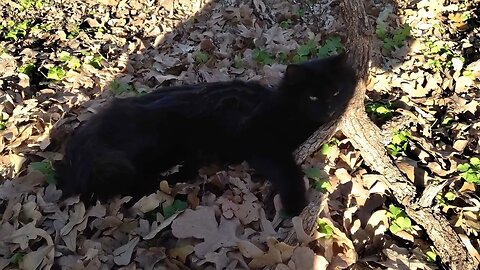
286 176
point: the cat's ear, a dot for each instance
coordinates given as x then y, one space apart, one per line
295 74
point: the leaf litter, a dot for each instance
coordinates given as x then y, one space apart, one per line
61 60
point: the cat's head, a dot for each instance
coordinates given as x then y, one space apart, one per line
321 87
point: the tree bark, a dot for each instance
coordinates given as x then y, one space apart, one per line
367 138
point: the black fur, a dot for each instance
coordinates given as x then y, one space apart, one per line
124 148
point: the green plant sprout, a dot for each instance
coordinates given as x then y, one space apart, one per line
17 29
56 73
17 257
327 148
380 109
470 171
176 206
27 4
305 51
73 32
3 122
431 255
324 228
320 184
71 61
118 88
393 40
45 167
399 143
262 56
399 220
95 60
331 46
442 200
201 57
26 68
285 24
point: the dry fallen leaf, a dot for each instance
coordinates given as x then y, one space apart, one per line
202 224
123 254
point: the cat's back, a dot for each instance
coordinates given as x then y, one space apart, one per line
229 101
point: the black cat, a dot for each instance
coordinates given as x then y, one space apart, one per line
124 148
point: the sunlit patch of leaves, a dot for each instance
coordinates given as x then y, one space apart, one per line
441 57
399 221
27 4
395 39
399 143
382 110
46 168
320 184
262 56
470 171
177 206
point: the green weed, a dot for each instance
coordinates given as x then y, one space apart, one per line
380 109
262 56
176 206
118 88
324 228
395 39
399 143
321 184
399 220
27 4
470 171
46 168
201 57
56 73
17 30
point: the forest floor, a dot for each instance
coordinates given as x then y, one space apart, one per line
61 60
